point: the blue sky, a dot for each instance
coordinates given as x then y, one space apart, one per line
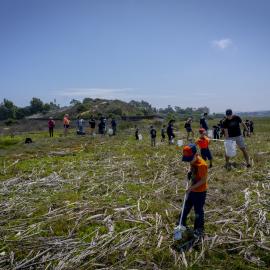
183 53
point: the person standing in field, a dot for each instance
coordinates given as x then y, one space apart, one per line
153 135
163 135
188 128
203 142
92 124
80 130
170 132
251 127
78 122
136 133
246 131
66 123
196 193
232 131
221 127
102 125
203 121
114 125
51 125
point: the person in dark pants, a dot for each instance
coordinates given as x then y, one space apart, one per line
136 133
216 131
203 143
246 132
153 135
251 127
92 124
203 121
102 126
113 124
189 128
196 193
170 132
51 125
163 135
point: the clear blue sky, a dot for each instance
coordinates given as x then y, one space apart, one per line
183 53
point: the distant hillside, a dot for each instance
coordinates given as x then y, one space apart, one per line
97 107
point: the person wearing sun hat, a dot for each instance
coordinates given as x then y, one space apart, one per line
196 193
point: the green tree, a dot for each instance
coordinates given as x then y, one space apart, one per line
36 105
74 102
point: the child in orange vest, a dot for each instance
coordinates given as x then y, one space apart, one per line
203 143
196 193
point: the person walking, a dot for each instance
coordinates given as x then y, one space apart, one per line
196 192
153 135
188 128
232 131
51 125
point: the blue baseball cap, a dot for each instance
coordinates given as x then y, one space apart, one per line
189 151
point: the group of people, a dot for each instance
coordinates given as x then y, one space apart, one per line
80 125
229 127
197 175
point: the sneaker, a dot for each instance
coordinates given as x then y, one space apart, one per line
198 234
228 166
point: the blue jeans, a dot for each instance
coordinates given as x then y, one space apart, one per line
196 200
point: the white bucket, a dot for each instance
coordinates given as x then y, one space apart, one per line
110 131
210 133
230 148
140 137
180 142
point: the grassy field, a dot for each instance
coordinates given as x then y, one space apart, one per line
112 202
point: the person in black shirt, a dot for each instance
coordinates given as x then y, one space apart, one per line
163 136
113 124
153 135
221 127
203 122
232 131
136 133
170 132
246 132
251 127
216 130
189 128
92 124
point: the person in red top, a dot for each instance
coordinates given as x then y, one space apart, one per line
51 125
196 193
203 142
